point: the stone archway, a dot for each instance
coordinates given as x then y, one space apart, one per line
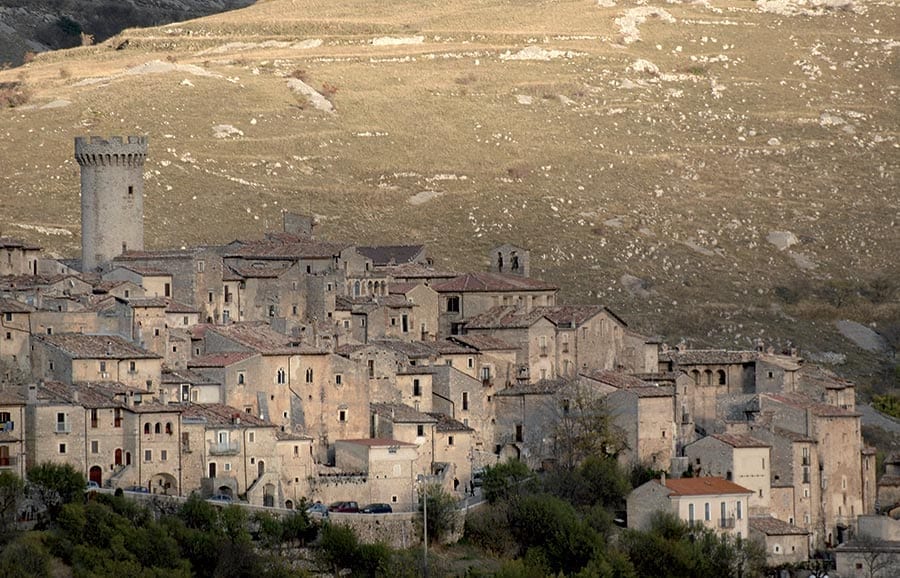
164 484
95 474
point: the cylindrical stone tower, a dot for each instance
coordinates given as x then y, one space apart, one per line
112 197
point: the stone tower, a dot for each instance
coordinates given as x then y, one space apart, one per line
112 197
510 260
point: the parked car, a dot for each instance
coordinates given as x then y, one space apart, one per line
91 486
377 509
344 507
317 510
221 498
137 489
478 478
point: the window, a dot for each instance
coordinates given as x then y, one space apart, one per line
156 332
281 377
228 467
720 376
62 448
470 362
519 433
117 417
163 455
453 304
62 423
417 388
251 437
50 332
8 335
691 513
102 367
342 415
167 290
449 440
146 429
95 447
130 190
8 316
209 297
168 428
740 510
338 379
420 430
296 450
95 418
309 375
185 442
706 514
157 428
184 320
132 366
241 378
148 455
371 367
465 401
201 266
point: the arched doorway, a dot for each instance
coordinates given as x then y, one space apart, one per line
117 460
163 484
95 474
289 504
261 468
127 458
4 456
226 491
269 496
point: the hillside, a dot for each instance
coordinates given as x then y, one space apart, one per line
28 26
716 171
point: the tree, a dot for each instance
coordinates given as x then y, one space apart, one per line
12 492
337 546
443 515
505 480
584 428
55 485
877 558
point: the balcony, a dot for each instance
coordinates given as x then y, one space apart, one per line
543 351
726 522
487 382
804 461
8 462
63 427
7 426
225 449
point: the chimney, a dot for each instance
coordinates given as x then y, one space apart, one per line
109 348
76 396
129 399
662 478
32 392
164 396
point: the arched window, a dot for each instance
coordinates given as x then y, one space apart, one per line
157 428
309 375
720 377
695 375
282 376
356 289
147 428
169 427
707 375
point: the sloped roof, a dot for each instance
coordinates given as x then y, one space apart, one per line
704 487
576 315
376 442
261 338
13 306
740 440
185 376
817 408
400 413
391 254
616 379
286 246
416 271
13 243
411 349
483 342
505 317
446 424
708 357
542 387
217 414
220 359
493 282
774 527
84 346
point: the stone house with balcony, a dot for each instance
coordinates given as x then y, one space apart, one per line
12 431
78 357
496 359
18 257
454 451
15 335
473 294
740 458
530 332
385 468
114 434
713 503
228 451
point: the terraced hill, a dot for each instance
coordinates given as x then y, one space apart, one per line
718 170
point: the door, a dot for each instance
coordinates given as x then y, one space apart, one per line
117 460
261 467
212 469
96 475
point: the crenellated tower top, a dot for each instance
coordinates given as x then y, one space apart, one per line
116 151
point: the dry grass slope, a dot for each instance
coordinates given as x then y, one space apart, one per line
714 155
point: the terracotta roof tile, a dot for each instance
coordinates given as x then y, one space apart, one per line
12 243
446 424
708 357
416 271
84 346
261 338
220 359
217 414
616 379
377 442
740 440
704 486
400 413
392 254
13 306
505 317
483 342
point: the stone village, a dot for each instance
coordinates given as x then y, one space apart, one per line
288 367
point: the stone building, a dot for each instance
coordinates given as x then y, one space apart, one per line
18 257
472 294
12 432
529 331
740 458
713 503
112 197
78 357
783 543
387 464
401 422
15 336
644 413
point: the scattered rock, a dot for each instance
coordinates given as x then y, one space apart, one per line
782 239
634 285
395 41
524 99
534 52
225 131
423 197
315 98
628 23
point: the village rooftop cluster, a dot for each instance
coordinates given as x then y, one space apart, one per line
288 367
